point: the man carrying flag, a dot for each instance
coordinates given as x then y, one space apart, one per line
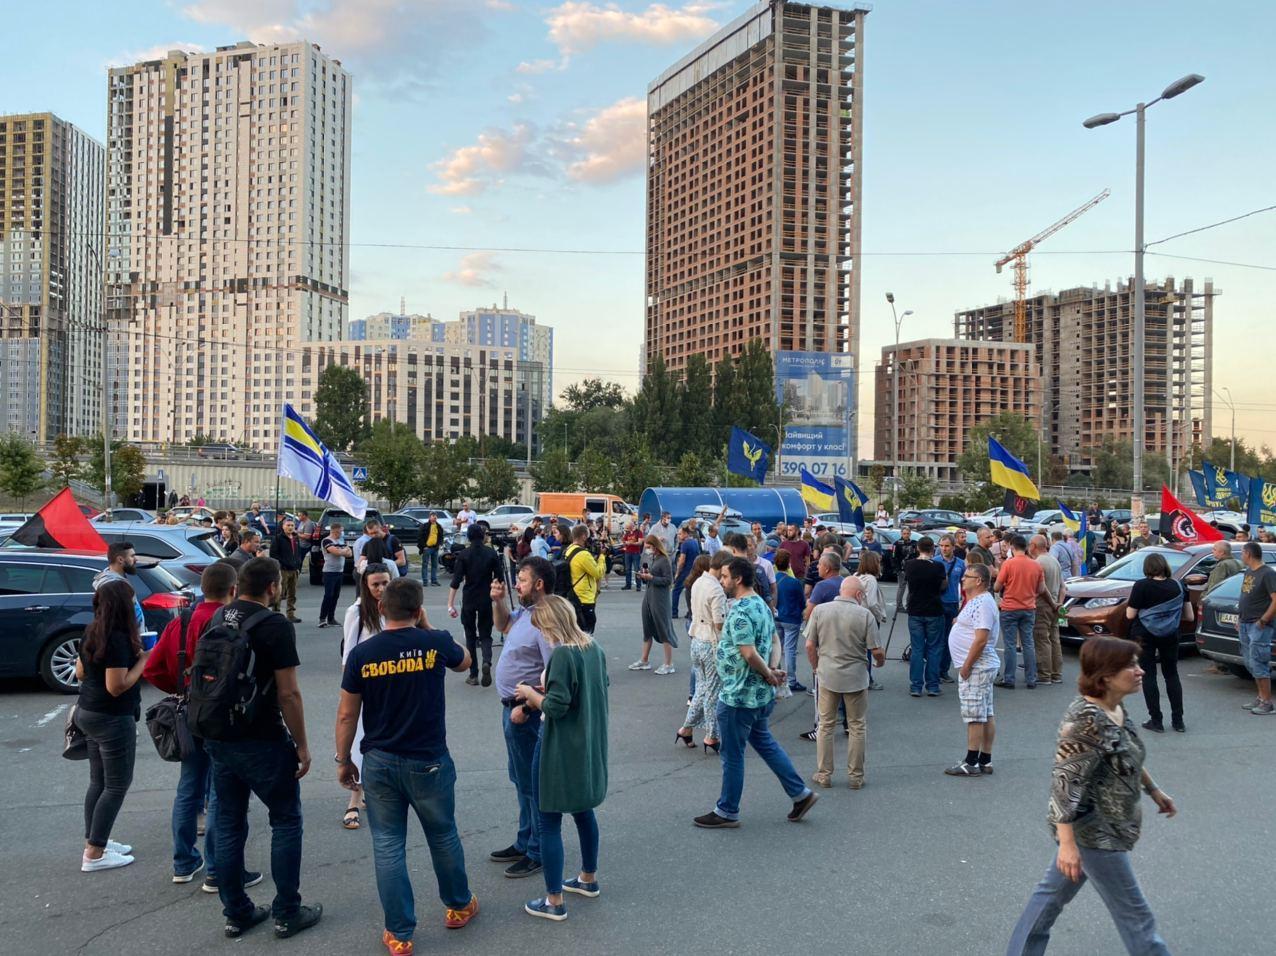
748 456
304 458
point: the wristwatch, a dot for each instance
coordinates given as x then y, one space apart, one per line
340 760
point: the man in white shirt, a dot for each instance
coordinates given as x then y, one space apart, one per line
464 516
712 543
972 642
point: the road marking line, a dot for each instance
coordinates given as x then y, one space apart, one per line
51 714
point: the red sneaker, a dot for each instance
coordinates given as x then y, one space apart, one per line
397 947
455 919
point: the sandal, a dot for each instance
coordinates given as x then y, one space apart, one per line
350 820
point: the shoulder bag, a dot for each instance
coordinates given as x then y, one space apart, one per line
166 718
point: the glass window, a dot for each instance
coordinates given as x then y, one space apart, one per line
1130 568
22 578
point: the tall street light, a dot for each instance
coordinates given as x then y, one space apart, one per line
899 321
1228 400
1103 119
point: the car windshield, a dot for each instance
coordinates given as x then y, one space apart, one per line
1130 568
1230 588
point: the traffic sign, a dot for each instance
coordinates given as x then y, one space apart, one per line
360 474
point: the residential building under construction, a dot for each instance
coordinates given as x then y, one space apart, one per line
1083 344
753 187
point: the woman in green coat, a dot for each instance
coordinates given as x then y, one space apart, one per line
570 765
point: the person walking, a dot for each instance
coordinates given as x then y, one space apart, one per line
708 612
334 552
267 757
110 663
954 567
1019 581
289 550
362 621
587 571
524 655
1094 806
429 539
631 547
925 583
840 636
657 618
393 686
747 699
1045 625
688 551
570 766
790 602
972 642
473 572
1257 611
1157 606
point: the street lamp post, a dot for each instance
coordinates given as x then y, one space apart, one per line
899 321
1232 406
1103 119
106 407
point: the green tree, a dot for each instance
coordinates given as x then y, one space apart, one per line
444 474
655 411
341 408
725 397
691 471
553 473
594 471
755 385
695 408
640 470
917 490
395 459
65 465
593 393
128 469
494 446
1113 467
496 481
1017 434
21 468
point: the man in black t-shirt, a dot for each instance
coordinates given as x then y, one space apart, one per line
269 759
473 573
395 681
926 583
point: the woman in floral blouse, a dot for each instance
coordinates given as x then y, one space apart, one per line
1094 805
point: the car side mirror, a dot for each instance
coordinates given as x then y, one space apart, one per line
1195 580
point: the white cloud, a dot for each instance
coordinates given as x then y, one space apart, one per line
578 26
522 94
462 210
505 6
535 67
474 271
609 145
157 52
472 169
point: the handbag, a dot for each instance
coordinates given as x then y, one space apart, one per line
166 719
75 746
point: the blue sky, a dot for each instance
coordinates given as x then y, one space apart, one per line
510 124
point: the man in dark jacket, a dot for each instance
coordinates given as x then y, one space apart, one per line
476 568
290 551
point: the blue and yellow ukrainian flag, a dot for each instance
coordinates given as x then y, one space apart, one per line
1009 472
1079 526
304 458
815 493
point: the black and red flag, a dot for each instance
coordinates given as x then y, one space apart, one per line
60 524
1181 523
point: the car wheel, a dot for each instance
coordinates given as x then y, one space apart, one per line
57 663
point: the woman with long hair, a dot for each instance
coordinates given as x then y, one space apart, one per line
570 764
362 621
657 611
1158 604
708 612
109 666
1094 805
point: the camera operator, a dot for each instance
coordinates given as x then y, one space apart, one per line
586 571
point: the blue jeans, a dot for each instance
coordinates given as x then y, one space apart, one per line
1019 622
951 609
926 635
1114 878
192 788
392 785
1256 648
550 826
520 747
676 600
789 634
633 564
736 727
430 566
267 768
331 594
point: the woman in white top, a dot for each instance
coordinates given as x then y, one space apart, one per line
708 611
363 620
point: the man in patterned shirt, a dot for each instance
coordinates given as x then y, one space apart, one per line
747 699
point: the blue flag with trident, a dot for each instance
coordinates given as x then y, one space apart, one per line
748 456
850 502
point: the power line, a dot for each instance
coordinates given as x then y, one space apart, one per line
1213 225
1216 262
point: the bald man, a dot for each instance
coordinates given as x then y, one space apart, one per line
1227 566
1045 626
839 637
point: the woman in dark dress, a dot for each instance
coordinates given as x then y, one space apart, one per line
657 609
110 664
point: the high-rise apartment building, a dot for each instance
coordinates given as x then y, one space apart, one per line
753 187
504 327
946 388
1083 342
391 325
228 217
51 213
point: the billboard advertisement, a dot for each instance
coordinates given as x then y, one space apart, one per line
817 390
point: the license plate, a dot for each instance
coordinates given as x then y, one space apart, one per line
1228 619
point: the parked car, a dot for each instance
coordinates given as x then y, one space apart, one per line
503 517
997 517
936 518
15 519
422 514
222 450
1095 604
887 537
1119 515
404 526
191 513
183 551
46 600
832 520
123 514
1217 635
273 522
351 530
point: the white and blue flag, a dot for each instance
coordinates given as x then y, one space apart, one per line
304 458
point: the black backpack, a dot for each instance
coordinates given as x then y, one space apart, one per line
166 719
223 698
564 586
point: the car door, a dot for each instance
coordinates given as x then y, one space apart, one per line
27 613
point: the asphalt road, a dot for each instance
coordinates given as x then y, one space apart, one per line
914 863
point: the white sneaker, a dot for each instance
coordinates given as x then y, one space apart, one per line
121 848
640 666
109 860
665 669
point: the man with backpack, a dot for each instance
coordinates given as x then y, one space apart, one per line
583 574
165 669
246 703
476 568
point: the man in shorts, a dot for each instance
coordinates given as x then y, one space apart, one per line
973 645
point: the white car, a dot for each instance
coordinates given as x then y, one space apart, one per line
833 521
422 514
503 517
997 517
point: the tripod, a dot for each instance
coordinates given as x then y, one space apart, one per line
901 596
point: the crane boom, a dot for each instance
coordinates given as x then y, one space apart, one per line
1019 256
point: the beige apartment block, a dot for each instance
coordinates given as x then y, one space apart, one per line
753 187
51 213
1083 340
946 388
228 192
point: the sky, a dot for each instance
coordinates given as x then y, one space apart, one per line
503 125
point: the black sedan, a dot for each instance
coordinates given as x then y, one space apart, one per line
1217 631
936 519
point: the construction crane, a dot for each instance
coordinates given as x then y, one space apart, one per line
1019 255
